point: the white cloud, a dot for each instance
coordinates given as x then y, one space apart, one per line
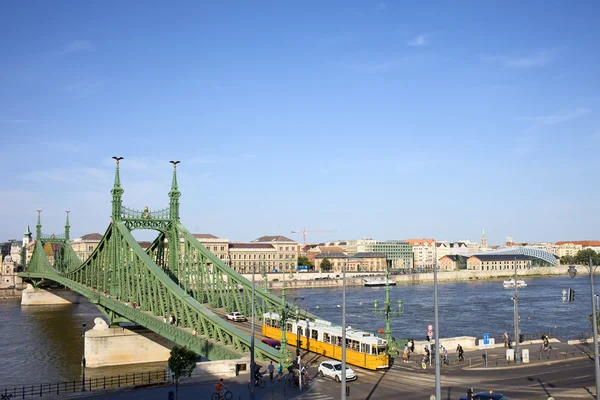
419 41
76 46
557 118
536 59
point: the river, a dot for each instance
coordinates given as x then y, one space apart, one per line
42 344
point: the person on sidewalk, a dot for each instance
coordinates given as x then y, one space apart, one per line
406 354
505 337
460 353
271 369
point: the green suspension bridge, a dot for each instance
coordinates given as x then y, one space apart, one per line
175 275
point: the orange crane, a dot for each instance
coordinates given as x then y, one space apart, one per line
304 232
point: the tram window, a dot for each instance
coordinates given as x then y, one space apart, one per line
326 338
355 345
315 334
364 348
338 341
288 327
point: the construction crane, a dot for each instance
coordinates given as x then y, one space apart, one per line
304 232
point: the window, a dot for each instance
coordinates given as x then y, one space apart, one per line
314 334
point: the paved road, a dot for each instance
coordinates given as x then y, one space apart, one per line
565 372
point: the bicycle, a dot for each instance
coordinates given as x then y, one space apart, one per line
424 362
258 382
225 394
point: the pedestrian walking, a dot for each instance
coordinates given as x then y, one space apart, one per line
505 337
406 354
460 353
271 369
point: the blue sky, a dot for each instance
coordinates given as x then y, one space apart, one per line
388 120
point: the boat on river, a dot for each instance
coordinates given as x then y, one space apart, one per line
378 282
511 283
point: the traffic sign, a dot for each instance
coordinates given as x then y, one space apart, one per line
486 338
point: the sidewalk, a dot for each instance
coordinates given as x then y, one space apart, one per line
496 357
277 390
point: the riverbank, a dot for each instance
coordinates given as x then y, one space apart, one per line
334 279
10 293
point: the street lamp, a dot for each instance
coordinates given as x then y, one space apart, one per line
83 359
516 318
252 366
438 383
572 273
343 386
387 311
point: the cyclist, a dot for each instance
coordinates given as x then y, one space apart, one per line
220 388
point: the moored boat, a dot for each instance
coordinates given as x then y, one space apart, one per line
511 283
378 282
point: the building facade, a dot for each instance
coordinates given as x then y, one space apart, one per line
260 256
286 249
8 274
498 262
453 262
337 260
367 262
446 248
216 245
424 253
84 246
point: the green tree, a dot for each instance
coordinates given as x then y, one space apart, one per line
583 257
181 363
303 260
325 265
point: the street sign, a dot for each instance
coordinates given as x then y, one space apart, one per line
486 338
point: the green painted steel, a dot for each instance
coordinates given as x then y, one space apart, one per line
176 275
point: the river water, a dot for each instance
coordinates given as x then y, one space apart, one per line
42 344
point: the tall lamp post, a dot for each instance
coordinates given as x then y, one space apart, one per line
252 366
343 386
572 273
387 311
438 383
83 359
517 355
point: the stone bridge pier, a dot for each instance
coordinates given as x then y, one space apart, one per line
47 296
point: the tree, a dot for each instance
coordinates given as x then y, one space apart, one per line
583 257
303 260
325 265
181 363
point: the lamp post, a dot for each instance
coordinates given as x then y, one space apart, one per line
572 273
343 386
83 359
284 353
252 366
517 355
438 384
387 311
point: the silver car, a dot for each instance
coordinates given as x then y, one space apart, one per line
333 369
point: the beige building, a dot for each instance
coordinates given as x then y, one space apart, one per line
245 256
453 262
337 261
216 245
312 253
367 262
8 274
424 252
497 262
571 248
287 251
85 245
445 248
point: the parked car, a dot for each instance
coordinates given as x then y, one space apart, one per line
276 344
333 369
485 396
235 316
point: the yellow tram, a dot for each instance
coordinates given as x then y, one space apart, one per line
363 349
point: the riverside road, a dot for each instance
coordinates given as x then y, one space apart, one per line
566 372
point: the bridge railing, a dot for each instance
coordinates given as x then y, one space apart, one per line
145 214
58 390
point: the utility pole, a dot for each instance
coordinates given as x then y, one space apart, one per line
516 317
438 383
252 366
343 387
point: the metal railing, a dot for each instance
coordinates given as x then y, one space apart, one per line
98 383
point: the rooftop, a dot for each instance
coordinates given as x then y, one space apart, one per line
251 246
332 255
368 254
90 237
278 238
